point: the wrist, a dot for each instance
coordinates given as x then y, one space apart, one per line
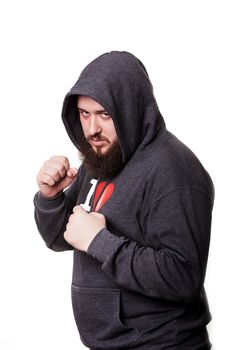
49 202
49 197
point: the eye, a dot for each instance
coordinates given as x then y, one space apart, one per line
83 113
105 115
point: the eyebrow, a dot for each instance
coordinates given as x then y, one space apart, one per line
98 111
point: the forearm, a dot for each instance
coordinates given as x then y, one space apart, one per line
51 216
145 270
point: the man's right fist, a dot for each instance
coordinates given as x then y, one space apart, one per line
55 175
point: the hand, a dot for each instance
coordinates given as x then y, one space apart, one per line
55 175
83 227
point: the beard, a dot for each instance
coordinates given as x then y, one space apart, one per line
100 165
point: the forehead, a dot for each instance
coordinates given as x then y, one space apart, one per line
88 103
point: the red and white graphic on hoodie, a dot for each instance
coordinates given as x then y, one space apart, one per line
102 192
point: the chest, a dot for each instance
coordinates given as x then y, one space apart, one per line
119 201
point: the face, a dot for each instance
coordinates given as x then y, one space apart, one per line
97 125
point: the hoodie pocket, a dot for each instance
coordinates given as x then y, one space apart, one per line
97 315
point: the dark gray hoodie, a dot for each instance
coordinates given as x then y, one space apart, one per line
140 285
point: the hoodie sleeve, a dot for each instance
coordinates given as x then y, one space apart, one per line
52 214
172 264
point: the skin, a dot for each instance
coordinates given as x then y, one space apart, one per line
83 227
97 124
56 174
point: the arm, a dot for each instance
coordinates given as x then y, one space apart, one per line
172 266
53 206
51 216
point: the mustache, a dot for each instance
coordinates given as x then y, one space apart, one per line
97 137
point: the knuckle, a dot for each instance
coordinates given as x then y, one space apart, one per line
61 169
65 235
55 174
64 161
75 208
71 218
49 180
54 158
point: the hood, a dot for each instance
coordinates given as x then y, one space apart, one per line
120 83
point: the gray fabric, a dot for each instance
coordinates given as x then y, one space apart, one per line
141 283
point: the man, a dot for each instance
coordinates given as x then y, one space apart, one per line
137 215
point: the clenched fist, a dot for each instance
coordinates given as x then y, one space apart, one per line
55 175
82 228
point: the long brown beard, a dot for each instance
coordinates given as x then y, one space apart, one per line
103 166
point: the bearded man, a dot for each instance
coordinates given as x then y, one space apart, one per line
137 215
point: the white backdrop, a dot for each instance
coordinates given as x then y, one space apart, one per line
187 49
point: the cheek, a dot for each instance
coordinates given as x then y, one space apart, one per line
111 132
84 127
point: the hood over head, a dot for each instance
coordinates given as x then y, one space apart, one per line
120 83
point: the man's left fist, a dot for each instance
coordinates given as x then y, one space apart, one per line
82 228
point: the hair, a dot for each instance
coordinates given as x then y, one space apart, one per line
100 165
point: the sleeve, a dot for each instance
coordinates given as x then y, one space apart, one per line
52 214
172 264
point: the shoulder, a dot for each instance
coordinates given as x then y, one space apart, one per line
174 166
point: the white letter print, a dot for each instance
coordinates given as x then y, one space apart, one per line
86 205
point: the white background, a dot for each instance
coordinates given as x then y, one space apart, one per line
187 49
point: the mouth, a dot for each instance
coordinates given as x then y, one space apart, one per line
98 142
100 147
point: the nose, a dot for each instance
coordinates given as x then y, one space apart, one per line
94 126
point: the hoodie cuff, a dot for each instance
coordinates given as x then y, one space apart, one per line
48 202
104 245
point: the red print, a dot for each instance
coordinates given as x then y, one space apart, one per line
100 197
